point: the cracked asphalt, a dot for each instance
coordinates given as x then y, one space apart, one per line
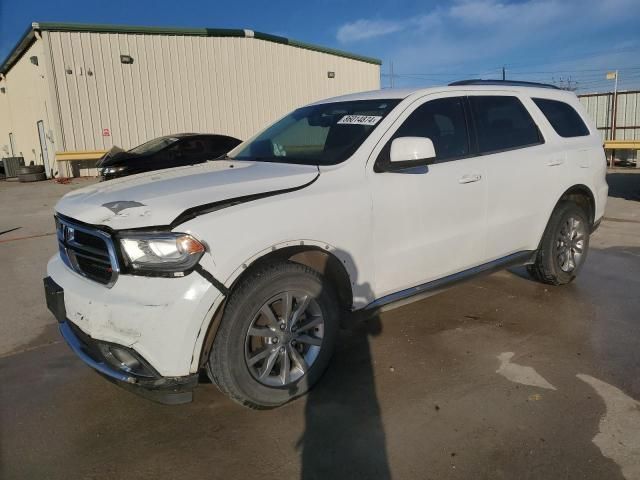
497 378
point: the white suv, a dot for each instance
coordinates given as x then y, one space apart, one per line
244 266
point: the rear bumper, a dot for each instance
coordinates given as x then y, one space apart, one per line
167 390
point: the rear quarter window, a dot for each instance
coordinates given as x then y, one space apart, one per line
563 118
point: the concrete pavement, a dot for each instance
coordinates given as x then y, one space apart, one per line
497 378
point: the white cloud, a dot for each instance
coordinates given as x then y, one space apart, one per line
491 12
472 15
481 35
363 29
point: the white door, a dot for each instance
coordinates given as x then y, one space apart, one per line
44 151
428 222
12 145
522 171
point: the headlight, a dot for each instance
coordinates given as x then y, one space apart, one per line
109 170
172 253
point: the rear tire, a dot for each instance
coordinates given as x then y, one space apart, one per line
564 246
292 349
30 169
31 177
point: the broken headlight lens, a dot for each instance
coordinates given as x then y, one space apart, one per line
161 252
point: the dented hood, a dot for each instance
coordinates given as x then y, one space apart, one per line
160 197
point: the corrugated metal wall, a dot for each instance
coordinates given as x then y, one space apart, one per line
227 85
628 116
600 107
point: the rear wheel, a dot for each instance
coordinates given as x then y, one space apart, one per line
276 336
564 246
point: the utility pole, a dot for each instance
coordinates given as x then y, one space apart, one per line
504 74
614 110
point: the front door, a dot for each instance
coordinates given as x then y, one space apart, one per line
428 222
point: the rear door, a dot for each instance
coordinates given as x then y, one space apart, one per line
428 222
520 167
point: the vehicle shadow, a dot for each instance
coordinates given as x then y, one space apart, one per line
344 435
624 185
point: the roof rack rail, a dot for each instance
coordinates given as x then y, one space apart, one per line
512 83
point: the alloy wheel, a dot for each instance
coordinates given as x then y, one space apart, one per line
570 244
284 338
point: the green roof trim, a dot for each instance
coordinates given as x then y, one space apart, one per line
100 28
29 37
316 48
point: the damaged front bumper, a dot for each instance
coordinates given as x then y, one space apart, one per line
119 364
166 390
145 334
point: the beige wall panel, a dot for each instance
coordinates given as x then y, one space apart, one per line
233 86
5 121
24 103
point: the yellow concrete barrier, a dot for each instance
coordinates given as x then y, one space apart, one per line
622 145
79 155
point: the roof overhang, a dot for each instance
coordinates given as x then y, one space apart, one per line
19 49
29 37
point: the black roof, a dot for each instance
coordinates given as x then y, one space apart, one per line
511 83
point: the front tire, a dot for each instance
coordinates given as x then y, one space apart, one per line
276 336
564 246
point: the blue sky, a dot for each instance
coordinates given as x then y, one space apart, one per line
428 42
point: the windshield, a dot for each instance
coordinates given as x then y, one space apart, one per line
153 146
323 134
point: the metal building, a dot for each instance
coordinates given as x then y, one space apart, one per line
618 124
70 91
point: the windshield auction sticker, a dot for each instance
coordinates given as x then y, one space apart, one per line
359 120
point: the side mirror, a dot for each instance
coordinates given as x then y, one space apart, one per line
408 152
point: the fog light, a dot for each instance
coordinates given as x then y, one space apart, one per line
124 359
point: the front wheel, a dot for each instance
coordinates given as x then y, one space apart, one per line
276 335
564 246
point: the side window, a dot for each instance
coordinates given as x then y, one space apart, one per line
217 146
189 147
562 117
443 121
503 123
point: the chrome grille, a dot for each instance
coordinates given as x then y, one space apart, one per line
87 251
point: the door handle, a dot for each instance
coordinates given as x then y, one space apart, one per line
555 163
476 177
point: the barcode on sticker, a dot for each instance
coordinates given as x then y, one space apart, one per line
359 120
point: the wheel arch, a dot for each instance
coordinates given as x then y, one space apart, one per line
320 258
579 194
582 196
